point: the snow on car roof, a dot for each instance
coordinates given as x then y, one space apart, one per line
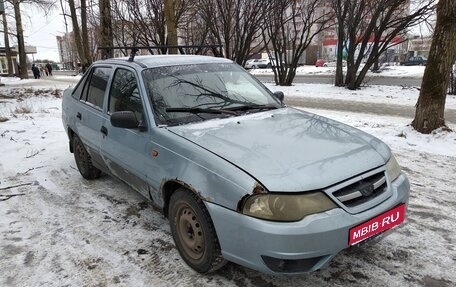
152 61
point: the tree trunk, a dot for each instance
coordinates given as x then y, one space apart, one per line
430 107
85 36
9 59
106 28
339 81
171 25
23 73
77 35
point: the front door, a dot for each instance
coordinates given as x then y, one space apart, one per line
126 151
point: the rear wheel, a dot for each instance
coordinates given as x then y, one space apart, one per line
83 160
194 233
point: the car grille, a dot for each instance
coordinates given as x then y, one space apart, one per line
362 191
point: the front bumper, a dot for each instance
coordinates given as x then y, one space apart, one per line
295 247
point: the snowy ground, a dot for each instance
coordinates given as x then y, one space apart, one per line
385 71
403 96
57 229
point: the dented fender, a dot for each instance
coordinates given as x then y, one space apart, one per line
210 176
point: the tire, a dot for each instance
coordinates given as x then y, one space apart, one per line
83 160
325 65
193 232
269 66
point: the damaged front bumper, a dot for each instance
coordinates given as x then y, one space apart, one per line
293 247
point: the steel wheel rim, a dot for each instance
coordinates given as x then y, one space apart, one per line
80 155
190 232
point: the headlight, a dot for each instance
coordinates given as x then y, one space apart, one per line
392 168
286 207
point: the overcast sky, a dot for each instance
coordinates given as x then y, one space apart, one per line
41 31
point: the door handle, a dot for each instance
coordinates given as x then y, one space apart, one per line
79 116
104 130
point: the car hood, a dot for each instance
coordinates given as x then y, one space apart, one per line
288 150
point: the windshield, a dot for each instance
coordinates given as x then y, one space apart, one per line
189 93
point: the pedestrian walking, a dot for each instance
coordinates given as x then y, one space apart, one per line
49 68
36 71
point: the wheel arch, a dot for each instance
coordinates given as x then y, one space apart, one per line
71 135
171 186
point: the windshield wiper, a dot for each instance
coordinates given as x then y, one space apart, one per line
252 107
200 111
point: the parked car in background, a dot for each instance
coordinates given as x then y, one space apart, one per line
415 61
257 64
324 63
240 176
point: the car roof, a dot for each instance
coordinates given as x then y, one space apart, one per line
152 61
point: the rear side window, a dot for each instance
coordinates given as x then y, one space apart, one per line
97 86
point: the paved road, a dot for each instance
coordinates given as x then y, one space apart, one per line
321 79
362 107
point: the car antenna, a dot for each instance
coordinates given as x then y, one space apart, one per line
133 54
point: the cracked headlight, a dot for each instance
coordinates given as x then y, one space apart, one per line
392 168
286 207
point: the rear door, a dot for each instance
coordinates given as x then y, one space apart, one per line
89 115
126 151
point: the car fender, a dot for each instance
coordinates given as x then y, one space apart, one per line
180 162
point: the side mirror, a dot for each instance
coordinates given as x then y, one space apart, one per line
279 95
124 119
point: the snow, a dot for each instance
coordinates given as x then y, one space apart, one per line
385 71
402 96
61 230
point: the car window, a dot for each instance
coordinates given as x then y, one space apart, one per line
77 92
211 86
124 94
95 91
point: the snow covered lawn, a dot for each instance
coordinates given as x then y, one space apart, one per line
57 229
405 96
386 71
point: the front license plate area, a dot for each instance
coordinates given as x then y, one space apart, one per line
377 225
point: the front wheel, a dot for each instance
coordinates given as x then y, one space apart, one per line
194 233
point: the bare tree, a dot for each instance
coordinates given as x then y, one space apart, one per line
431 102
235 24
23 73
45 5
370 28
290 27
147 20
9 59
171 25
106 37
81 40
122 27
194 30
